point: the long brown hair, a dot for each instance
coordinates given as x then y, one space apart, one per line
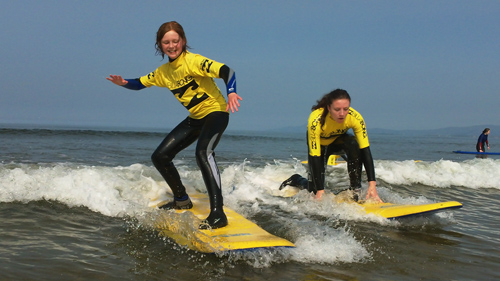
166 27
327 100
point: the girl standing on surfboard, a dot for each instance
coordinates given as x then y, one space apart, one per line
327 128
482 141
190 77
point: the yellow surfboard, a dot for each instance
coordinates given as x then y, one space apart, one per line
239 234
392 211
386 210
332 160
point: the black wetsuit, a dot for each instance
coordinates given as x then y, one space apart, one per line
208 132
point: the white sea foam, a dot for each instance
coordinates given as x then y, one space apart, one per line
127 190
477 173
119 191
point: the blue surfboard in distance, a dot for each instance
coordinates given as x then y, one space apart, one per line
475 152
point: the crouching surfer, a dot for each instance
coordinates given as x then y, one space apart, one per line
327 128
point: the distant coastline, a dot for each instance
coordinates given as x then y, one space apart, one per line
448 131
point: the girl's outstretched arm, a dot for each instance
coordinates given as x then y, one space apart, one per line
132 84
117 79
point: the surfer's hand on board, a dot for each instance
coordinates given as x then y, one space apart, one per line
372 192
232 102
319 194
117 79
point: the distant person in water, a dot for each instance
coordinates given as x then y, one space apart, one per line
482 141
327 128
190 77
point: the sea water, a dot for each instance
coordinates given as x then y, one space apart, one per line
74 206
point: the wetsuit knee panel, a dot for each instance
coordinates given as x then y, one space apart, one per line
351 141
351 147
201 155
161 159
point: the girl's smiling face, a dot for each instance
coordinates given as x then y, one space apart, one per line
172 44
339 110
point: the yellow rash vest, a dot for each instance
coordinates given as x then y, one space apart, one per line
324 135
190 77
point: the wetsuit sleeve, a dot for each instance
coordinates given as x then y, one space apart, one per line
316 173
134 84
367 159
229 77
315 159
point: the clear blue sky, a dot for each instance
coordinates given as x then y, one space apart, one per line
406 64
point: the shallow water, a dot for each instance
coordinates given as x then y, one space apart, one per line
74 206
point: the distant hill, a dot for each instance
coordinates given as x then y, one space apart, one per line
449 131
